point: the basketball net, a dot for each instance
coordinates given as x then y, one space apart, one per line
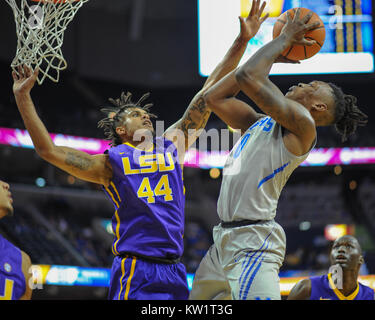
40 27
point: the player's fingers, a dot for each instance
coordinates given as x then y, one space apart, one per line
289 17
297 14
20 71
242 23
14 75
251 13
262 8
36 72
264 18
257 7
312 26
309 43
307 17
27 71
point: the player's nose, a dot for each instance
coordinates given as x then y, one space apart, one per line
145 116
4 185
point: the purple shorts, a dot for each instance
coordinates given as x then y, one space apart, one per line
136 279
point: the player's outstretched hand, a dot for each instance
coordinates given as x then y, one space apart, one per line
250 26
296 27
24 80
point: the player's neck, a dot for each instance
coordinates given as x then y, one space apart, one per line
350 282
145 144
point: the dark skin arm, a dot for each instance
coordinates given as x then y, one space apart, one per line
91 168
221 97
301 291
253 79
198 112
26 269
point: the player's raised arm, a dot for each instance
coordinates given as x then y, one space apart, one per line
92 168
198 113
253 80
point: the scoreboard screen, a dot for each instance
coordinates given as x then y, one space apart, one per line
348 46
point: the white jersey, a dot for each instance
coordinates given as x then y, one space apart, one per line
255 173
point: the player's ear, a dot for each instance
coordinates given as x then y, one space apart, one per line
319 106
361 260
120 131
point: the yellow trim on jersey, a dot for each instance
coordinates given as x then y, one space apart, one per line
117 233
114 188
338 293
130 145
122 277
130 278
113 198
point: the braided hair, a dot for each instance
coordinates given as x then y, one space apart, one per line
347 114
114 115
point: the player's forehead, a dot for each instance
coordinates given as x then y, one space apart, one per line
134 110
344 240
319 83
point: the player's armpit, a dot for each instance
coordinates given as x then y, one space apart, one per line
301 291
222 101
91 168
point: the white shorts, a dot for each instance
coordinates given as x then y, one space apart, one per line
242 264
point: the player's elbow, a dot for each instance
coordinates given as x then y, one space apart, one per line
211 99
44 153
47 154
245 78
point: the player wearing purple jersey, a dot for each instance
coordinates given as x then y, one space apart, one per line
14 263
142 175
346 256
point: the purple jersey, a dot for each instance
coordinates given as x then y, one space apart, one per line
323 288
12 279
148 194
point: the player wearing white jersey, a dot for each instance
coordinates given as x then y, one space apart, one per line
249 246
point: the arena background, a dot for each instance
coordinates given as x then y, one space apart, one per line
152 46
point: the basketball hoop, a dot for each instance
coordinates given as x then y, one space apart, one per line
40 27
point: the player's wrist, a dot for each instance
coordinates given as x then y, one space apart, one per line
22 95
242 39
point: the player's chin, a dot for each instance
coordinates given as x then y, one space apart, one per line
145 131
10 211
6 211
342 263
289 94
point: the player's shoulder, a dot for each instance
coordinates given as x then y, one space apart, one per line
368 290
25 258
301 291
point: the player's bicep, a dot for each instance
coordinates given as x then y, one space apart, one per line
288 113
186 130
301 291
91 168
236 113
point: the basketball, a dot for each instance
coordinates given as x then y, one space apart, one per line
302 52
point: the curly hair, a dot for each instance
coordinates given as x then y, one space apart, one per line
347 114
114 115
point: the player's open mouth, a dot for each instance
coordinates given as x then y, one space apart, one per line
341 258
147 123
